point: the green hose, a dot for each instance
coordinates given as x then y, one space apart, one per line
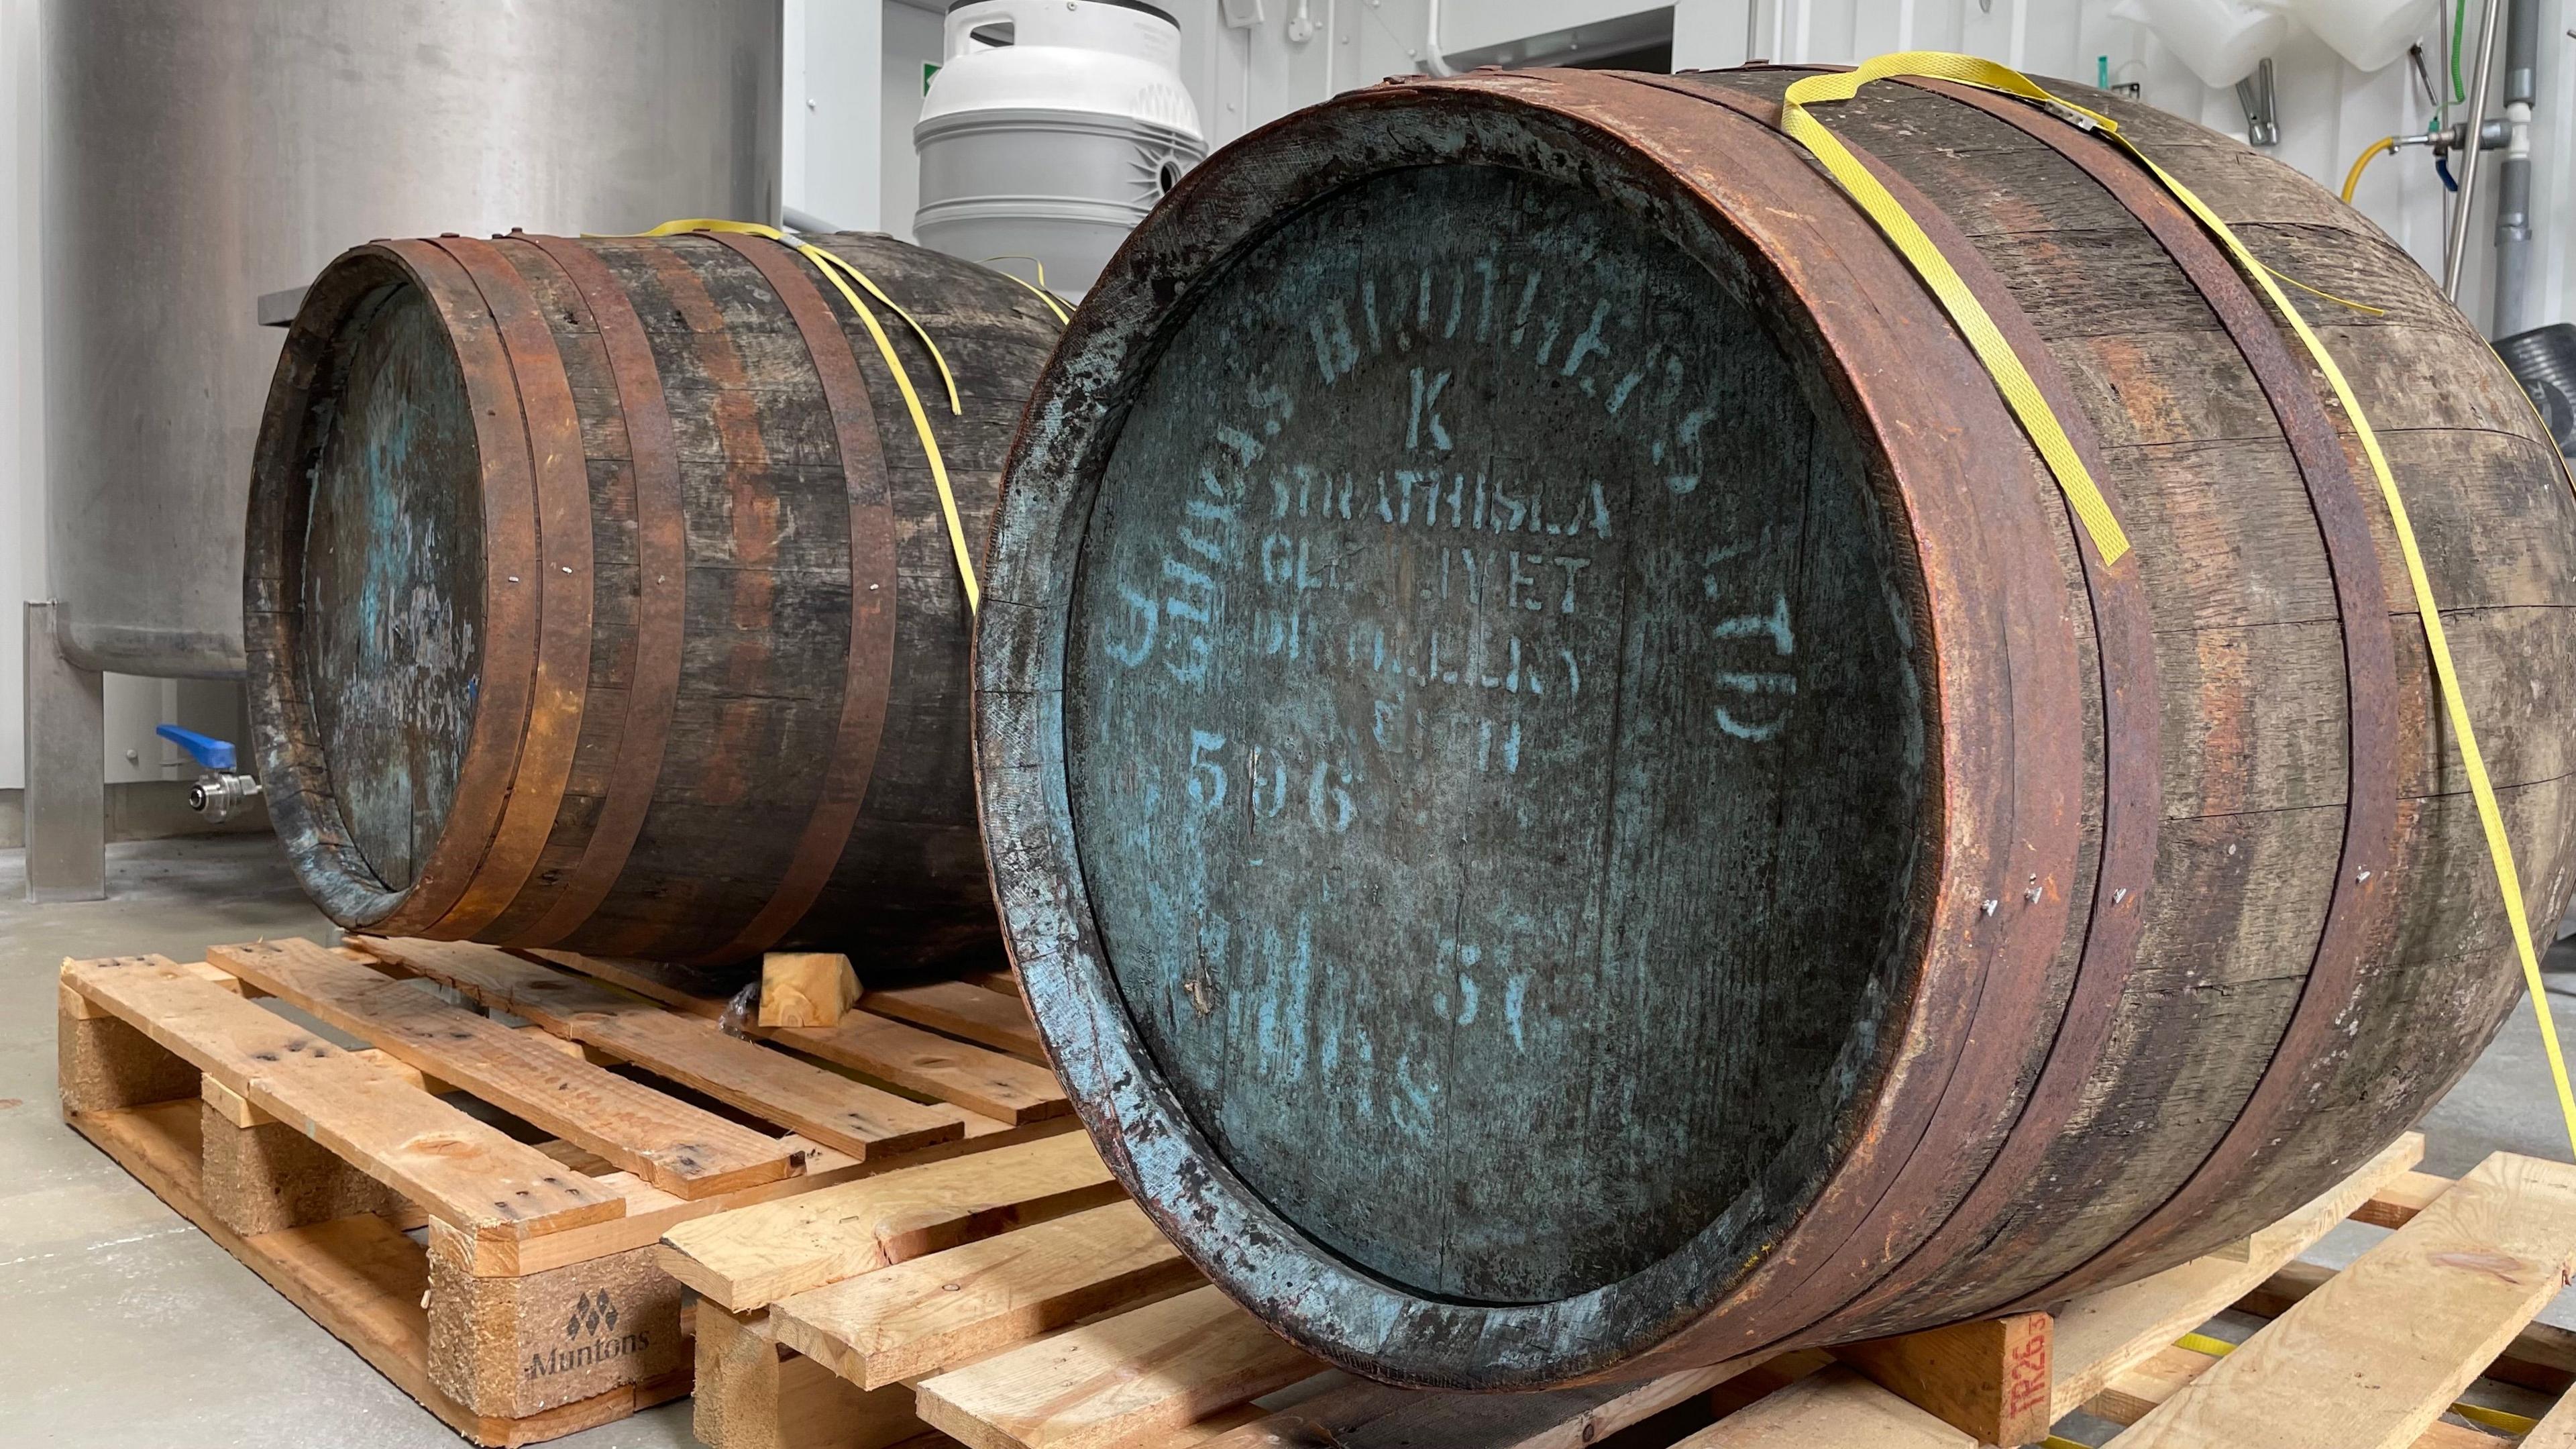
2459 21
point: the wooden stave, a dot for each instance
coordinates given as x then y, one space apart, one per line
1045 906
917 801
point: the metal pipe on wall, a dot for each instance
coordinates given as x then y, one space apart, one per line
2464 209
2513 176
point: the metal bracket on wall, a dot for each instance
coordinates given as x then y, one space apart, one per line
2254 93
66 757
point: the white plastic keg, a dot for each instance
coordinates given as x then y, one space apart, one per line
2372 34
2220 40
1050 130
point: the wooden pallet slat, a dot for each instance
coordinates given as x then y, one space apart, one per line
674 1146
459 1170
1000 978
1836 1406
2142 1387
2397 1201
688 990
1162 1368
2100 1335
750 1258
2371 1359
915 1318
2541 1358
992 1083
960 1008
551 999
651 1214
860 1120
853 1117
1356 1414
2556 1429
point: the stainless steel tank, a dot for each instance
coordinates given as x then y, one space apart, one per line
202 153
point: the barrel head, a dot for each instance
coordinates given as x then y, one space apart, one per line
392 583
1493 733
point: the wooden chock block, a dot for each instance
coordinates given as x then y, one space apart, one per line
513 1347
105 1065
806 988
753 1395
735 1402
76 1007
266 1176
1989 1378
232 1106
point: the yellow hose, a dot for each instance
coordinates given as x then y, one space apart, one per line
2352 178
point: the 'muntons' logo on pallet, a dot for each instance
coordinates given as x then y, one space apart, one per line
591 1330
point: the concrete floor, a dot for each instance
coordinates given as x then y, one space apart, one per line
126 1327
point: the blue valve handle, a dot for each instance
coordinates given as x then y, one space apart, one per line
209 752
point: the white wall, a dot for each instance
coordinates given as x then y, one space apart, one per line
912 40
828 161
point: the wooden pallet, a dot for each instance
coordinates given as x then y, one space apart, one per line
1080 1329
473 1206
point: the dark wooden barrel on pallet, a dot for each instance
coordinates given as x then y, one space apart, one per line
1570 801
599 594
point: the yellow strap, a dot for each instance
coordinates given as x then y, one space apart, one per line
826 261
2475 1413
2276 274
920 421
1987 75
2001 362
2436 640
832 268
1062 319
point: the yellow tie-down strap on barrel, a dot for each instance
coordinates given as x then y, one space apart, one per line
2080 490
1062 317
2012 379
833 268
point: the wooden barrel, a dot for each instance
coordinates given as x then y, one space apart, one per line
1571 802
599 594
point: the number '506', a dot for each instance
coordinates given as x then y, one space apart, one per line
1267 774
